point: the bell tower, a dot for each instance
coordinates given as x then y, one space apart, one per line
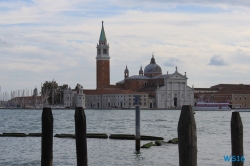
126 72
102 61
141 71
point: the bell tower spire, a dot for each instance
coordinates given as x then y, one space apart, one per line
141 71
102 39
126 72
102 61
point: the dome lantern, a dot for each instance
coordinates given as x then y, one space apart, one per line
152 69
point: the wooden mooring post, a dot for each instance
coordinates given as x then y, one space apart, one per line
47 137
237 140
187 137
137 129
80 129
137 123
81 137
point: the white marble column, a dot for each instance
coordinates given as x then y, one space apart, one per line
185 93
172 97
166 104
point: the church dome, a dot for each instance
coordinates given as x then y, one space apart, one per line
152 69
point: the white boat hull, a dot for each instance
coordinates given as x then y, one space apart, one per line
241 110
211 109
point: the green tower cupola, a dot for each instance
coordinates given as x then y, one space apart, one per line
103 46
103 39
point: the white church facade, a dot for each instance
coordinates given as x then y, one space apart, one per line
175 92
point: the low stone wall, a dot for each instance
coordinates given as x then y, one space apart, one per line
89 135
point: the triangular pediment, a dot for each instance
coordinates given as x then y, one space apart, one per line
177 76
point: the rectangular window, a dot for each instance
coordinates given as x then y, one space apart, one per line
99 51
104 51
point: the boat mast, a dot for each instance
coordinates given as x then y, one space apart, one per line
23 97
53 92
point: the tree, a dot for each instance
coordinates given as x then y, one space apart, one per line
77 85
48 87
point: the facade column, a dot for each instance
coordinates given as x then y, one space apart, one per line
172 94
166 104
180 96
101 50
185 93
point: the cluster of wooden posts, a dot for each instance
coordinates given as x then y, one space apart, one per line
80 136
187 137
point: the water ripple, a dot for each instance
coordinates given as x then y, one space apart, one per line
213 135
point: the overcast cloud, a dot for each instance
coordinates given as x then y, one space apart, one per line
42 40
172 62
217 60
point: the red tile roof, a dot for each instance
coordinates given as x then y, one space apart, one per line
109 91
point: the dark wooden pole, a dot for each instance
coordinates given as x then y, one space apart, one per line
237 139
47 137
187 137
81 137
137 129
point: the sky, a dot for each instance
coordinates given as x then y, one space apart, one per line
42 40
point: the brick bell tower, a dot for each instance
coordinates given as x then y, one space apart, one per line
102 61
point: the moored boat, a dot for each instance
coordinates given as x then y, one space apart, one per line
240 109
203 106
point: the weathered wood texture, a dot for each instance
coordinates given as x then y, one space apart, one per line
137 129
187 137
237 138
81 137
47 137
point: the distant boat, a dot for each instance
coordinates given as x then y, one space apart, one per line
240 109
203 106
57 106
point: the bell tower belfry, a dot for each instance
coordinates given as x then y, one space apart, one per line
102 61
126 72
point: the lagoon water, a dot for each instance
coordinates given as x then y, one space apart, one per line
213 136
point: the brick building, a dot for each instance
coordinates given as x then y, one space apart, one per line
26 101
105 95
171 88
236 94
164 90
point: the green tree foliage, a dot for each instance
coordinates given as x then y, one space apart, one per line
48 88
76 88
